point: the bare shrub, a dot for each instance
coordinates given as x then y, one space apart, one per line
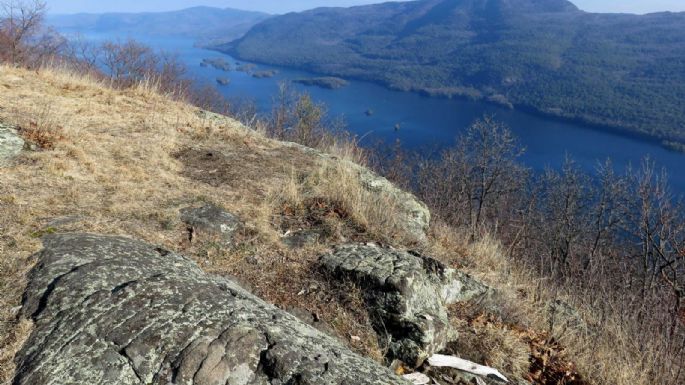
24 39
296 117
612 243
467 184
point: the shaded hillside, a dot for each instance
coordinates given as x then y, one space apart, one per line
197 22
618 70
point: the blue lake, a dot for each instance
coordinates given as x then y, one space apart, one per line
430 122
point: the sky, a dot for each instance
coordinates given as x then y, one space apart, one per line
283 6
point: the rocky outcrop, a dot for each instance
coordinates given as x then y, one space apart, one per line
210 222
406 294
11 144
415 215
111 310
412 213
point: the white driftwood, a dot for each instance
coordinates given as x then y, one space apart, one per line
417 378
439 360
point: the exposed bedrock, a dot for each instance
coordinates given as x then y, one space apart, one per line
406 294
112 310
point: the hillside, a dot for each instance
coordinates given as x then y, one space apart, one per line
153 237
617 70
204 23
106 161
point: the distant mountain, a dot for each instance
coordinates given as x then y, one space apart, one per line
203 23
617 70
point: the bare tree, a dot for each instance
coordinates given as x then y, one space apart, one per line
605 213
83 54
21 22
298 118
281 112
564 222
493 152
128 62
468 184
171 75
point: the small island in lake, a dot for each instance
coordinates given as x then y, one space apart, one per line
329 82
674 146
246 67
223 81
264 74
218 63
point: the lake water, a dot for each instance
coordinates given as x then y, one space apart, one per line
430 122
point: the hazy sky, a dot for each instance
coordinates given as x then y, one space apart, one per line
282 6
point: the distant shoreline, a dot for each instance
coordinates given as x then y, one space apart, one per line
668 143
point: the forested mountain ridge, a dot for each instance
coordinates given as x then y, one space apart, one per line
618 70
198 22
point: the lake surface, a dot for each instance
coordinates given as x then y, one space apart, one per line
430 122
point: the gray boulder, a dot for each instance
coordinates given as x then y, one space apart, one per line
111 310
461 287
406 294
11 144
210 222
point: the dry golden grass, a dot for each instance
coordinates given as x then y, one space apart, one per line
111 161
366 213
125 161
602 352
492 345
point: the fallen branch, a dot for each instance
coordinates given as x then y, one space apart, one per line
439 360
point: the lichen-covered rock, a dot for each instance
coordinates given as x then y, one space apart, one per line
111 310
461 287
406 294
210 222
11 144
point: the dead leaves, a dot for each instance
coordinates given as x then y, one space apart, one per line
549 364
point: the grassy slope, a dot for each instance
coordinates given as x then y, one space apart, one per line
125 162
122 162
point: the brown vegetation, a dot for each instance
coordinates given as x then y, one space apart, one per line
128 160
24 40
610 244
122 152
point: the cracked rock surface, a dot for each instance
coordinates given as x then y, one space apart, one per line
111 310
406 294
